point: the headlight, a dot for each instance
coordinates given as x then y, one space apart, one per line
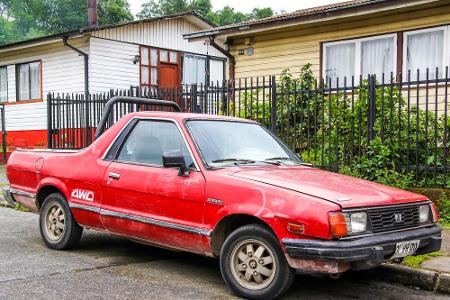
344 224
424 213
358 222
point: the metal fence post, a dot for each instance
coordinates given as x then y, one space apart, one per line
372 96
49 121
88 120
273 105
4 133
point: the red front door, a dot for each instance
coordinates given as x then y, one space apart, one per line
169 75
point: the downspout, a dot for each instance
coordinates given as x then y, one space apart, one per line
86 65
86 87
232 61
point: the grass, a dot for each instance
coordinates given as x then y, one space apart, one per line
417 260
18 207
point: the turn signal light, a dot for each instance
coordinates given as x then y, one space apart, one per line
435 213
296 228
338 224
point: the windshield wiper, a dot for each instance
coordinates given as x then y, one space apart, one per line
241 161
234 160
280 159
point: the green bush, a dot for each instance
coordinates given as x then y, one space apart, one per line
331 129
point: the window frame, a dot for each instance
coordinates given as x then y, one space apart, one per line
207 69
115 147
358 53
7 85
40 97
446 50
149 85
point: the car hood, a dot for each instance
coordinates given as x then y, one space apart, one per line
340 189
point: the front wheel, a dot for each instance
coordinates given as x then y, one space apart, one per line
253 264
58 227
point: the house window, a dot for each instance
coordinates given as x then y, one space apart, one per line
194 69
3 84
151 59
340 62
426 49
29 81
373 55
149 67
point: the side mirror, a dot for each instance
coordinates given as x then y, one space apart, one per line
176 161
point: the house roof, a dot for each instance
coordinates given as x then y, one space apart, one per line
192 16
320 12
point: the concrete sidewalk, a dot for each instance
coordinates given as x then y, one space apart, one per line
441 263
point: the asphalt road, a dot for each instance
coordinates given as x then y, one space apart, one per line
105 267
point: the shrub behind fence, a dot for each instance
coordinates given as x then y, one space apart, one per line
380 129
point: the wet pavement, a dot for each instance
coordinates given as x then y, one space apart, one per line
106 267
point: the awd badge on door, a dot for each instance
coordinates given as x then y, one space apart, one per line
83 195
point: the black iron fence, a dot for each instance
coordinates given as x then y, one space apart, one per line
367 125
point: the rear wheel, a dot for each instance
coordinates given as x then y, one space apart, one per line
253 264
58 227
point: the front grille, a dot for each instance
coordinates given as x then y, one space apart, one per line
386 219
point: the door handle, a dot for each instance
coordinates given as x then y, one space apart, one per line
114 175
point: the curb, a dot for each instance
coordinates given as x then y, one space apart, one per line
425 279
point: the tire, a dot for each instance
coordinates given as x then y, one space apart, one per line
58 227
253 275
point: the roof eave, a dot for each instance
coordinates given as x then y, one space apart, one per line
297 20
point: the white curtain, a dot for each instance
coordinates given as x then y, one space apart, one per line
340 63
216 71
24 82
144 75
154 76
425 50
194 69
377 57
154 57
3 85
35 80
188 69
201 70
144 56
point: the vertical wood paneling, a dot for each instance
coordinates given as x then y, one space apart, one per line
111 65
162 33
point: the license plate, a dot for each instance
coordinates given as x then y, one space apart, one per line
405 248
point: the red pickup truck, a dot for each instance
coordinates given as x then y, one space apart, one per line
222 187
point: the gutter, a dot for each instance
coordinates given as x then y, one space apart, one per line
232 61
86 65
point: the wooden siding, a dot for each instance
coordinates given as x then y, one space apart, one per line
62 70
111 65
291 48
162 34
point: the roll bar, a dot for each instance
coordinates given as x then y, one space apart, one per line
129 100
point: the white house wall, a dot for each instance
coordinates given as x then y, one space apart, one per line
62 70
111 65
166 33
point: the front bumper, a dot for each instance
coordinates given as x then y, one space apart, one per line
8 197
365 252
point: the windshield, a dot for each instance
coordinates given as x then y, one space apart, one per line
225 143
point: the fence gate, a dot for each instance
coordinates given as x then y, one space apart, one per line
3 126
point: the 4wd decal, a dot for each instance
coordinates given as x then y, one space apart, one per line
83 195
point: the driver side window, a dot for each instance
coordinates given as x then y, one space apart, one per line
150 140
